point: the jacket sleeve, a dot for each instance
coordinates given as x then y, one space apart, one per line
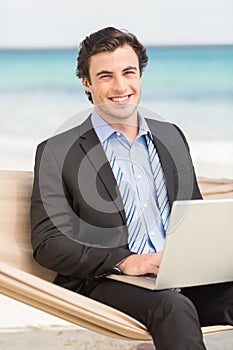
53 223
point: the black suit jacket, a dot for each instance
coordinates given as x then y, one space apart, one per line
77 217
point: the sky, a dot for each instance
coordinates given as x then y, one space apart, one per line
64 23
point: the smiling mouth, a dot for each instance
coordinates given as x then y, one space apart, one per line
120 99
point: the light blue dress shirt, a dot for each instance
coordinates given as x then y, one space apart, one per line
135 165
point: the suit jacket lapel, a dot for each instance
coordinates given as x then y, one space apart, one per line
92 147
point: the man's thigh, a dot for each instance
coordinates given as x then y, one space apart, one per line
170 317
214 303
140 303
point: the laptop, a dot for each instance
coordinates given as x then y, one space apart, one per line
198 247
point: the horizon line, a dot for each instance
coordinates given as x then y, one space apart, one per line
68 48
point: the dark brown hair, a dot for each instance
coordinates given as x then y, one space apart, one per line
107 40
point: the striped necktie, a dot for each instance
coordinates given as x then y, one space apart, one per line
159 180
138 239
137 232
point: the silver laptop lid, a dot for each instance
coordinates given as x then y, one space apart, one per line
199 244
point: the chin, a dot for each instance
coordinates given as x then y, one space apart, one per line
121 112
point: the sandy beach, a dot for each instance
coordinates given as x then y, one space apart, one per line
73 339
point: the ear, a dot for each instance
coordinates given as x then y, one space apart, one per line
86 84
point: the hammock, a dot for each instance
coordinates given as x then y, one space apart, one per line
23 279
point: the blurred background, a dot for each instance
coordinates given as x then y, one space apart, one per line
189 78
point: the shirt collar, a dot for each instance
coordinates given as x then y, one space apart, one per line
104 130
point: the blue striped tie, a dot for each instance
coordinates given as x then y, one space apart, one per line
138 239
137 232
159 180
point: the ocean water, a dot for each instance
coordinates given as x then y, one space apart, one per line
189 86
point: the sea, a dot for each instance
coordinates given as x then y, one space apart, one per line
191 86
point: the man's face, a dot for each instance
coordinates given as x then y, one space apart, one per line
115 83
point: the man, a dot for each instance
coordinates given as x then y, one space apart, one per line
102 196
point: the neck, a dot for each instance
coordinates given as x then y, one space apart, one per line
129 130
129 126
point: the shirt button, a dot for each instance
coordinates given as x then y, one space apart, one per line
145 205
152 233
118 133
139 177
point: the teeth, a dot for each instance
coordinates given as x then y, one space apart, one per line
120 99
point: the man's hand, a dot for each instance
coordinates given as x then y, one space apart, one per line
141 264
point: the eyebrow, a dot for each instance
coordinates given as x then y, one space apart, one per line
109 72
130 68
103 72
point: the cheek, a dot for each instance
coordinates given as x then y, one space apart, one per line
97 95
137 87
99 90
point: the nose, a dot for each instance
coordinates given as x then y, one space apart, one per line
119 85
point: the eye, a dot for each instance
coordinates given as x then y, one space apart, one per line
105 76
130 72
